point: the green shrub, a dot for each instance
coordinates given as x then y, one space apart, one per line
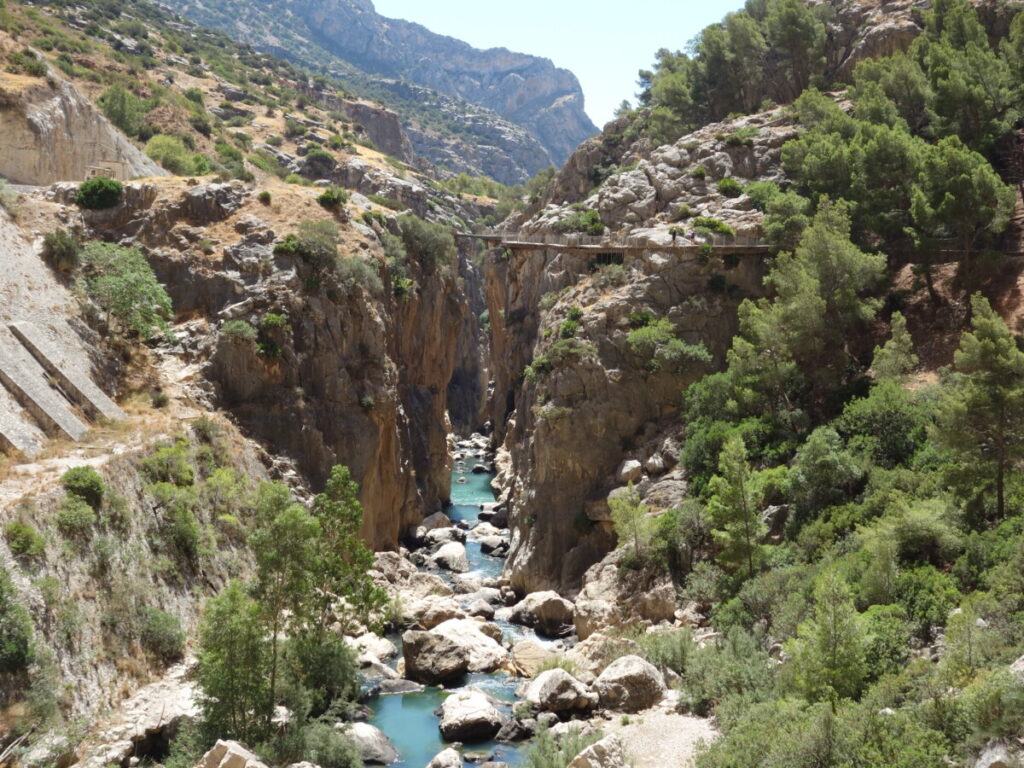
62 250
75 518
159 399
328 747
24 540
432 245
667 650
354 271
85 483
387 202
333 197
169 463
714 225
729 187
26 61
684 212
700 172
239 329
587 222
316 244
171 153
609 276
99 193
568 329
15 628
549 751
264 197
575 314
162 635
123 284
123 108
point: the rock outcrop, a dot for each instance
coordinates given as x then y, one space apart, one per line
51 132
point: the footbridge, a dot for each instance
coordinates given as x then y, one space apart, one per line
621 244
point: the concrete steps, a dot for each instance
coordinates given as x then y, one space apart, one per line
40 389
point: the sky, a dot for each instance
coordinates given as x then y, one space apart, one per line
604 48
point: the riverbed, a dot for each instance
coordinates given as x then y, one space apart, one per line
408 720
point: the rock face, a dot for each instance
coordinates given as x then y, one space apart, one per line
630 684
557 691
470 715
383 127
612 594
361 379
432 658
55 134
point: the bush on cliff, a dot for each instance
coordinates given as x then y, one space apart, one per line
99 193
120 281
432 245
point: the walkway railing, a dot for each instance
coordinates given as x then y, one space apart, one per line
613 242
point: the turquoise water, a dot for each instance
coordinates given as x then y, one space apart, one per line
409 720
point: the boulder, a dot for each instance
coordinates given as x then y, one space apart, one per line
630 471
374 747
481 608
630 684
528 657
230 754
470 715
451 557
398 686
592 616
557 691
440 536
607 753
433 658
379 647
996 755
447 759
433 522
547 612
430 611
480 641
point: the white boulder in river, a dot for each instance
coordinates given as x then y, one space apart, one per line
547 612
470 715
447 759
374 747
451 557
478 640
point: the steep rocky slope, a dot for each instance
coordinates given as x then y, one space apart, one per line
511 114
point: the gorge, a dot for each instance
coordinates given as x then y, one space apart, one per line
703 450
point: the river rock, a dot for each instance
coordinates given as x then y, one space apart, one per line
481 608
470 715
493 545
607 753
430 611
547 612
433 522
374 747
529 656
379 647
433 658
449 758
477 640
444 536
557 691
230 754
397 686
451 557
630 684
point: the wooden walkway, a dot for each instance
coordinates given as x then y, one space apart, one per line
612 244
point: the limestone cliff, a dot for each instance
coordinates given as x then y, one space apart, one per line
52 133
353 375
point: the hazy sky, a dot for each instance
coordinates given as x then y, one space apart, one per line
604 43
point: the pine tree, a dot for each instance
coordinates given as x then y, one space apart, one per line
828 653
733 508
981 413
896 358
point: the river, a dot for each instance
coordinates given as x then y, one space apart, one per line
408 720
